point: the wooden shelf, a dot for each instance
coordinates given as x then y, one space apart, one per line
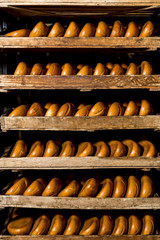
80 123
86 83
78 203
151 43
78 163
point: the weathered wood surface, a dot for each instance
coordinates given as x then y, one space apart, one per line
80 123
151 82
78 163
88 42
78 203
92 237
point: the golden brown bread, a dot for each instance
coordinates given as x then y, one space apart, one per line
79 66
147 29
35 110
148 149
71 190
107 188
120 226
57 30
115 109
68 149
47 105
83 111
117 70
20 226
109 66
133 187
90 226
117 149
57 225
19 187
120 186
147 188
39 30
53 187
85 70
19 111
146 108
68 69
100 69
148 225
132 30
106 225
36 150
102 30
99 109
51 149
102 149
89 188
88 30
133 149
73 225
72 30
146 68
124 66
67 109
117 30
22 69
52 110
36 188
37 69
132 69
134 225
40 226
131 109
18 33
85 149
19 149
53 69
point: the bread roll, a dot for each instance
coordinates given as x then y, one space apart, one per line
79 66
68 149
120 186
102 30
90 226
19 187
133 187
147 29
146 68
117 30
102 149
134 225
35 110
37 69
53 187
121 226
131 109
147 225
100 69
71 190
132 30
88 30
39 30
22 69
19 111
109 66
117 149
117 70
57 225
67 109
54 69
85 149
36 150
83 111
148 149
133 149
99 109
107 188
20 226
51 150
85 70
147 188
132 69
19 149
18 33
90 188
146 108
52 110
68 69
57 30
36 188
40 226
106 225
115 109
73 225
72 30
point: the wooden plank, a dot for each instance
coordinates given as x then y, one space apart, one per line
78 163
80 82
88 42
80 123
78 203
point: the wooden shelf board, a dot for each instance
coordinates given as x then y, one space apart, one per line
88 83
80 123
88 42
78 203
78 163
